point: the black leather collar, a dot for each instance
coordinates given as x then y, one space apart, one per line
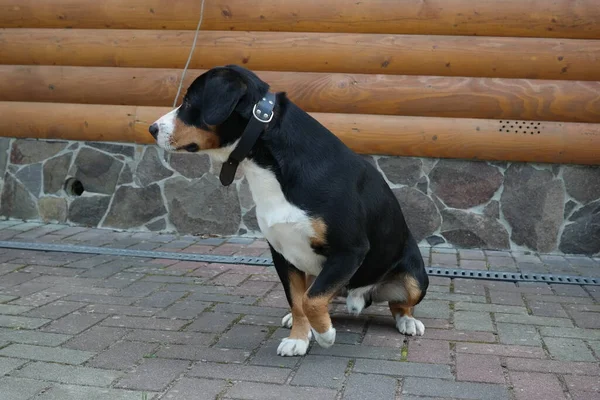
263 114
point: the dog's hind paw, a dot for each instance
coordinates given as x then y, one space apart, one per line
325 339
410 326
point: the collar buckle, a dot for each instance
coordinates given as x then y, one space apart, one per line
263 110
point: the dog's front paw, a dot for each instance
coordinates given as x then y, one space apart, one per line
292 347
326 339
287 321
410 326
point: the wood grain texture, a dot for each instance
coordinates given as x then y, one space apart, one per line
563 59
556 142
532 18
458 97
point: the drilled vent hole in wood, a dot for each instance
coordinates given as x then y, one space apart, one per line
523 127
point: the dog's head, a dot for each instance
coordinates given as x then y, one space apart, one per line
214 111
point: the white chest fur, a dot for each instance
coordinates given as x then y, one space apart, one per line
285 226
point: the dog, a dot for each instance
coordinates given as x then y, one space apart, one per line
333 225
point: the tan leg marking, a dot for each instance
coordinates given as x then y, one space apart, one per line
317 311
300 324
402 311
319 238
413 290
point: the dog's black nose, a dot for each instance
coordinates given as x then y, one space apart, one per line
153 130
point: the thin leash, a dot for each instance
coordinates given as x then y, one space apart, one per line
190 56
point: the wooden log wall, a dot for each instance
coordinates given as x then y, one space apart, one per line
434 78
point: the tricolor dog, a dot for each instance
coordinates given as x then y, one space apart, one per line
333 225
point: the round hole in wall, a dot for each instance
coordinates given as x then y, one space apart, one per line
74 187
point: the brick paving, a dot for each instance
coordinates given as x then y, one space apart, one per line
83 326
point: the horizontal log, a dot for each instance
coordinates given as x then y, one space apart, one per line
547 142
494 57
458 97
558 18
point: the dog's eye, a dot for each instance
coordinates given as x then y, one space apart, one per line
192 147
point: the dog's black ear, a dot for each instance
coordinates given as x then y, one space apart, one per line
222 93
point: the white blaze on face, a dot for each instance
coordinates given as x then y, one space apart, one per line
166 125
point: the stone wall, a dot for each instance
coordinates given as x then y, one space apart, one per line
492 205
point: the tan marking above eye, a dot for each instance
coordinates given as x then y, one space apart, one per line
184 135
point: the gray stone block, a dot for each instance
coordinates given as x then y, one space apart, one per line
153 374
73 392
32 337
150 168
533 320
459 390
569 349
187 309
239 372
97 171
520 334
473 321
424 218
190 165
401 369
55 310
55 173
18 322
162 324
125 211
254 310
358 351
533 204
265 391
96 338
68 374
28 151
9 364
189 388
361 387
16 201
51 354
88 210
203 353
202 205
401 170
170 337
31 177
122 356
10 309
495 308
469 230
267 355
464 184
321 371
20 389
243 337
160 299
74 323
